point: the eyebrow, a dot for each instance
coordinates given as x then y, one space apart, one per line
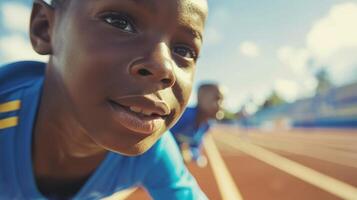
150 5
191 31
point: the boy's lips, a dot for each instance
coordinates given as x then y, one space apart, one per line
140 113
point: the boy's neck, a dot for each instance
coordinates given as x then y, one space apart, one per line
61 148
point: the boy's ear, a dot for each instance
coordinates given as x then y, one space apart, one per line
41 23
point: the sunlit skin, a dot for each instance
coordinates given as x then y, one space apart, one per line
106 56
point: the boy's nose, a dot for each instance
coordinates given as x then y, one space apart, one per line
157 67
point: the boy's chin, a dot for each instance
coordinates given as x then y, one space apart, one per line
134 150
129 147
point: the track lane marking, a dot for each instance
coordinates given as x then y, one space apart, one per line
225 182
337 157
322 181
345 144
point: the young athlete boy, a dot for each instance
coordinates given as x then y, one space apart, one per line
190 130
92 121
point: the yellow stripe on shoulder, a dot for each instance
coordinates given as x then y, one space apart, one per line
10 106
8 122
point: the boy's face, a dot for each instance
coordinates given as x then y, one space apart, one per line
210 101
127 66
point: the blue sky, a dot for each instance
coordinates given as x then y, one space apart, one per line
251 47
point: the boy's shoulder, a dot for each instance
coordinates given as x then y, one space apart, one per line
17 75
20 85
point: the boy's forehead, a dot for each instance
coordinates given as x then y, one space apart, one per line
191 14
197 9
193 5
197 6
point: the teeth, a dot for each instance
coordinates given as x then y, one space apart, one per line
147 112
135 109
140 110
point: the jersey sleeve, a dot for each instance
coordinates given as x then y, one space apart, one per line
168 178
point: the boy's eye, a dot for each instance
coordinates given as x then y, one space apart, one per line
185 52
119 21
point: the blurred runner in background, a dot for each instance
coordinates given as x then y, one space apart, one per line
190 130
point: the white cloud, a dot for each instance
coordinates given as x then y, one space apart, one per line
294 58
16 47
212 36
336 31
304 82
218 21
331 43
342 66
15 17
287 89
249 49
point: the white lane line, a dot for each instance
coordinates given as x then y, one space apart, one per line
342 144
122 195
306 145
225 182
337 157
322 181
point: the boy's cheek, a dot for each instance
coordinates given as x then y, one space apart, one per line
181 94
184 83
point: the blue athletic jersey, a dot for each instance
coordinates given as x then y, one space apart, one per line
160 170
185 130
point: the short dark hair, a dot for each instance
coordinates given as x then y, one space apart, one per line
204 86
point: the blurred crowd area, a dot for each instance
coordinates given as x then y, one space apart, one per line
331 107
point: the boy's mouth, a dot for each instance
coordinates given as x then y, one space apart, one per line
139 114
